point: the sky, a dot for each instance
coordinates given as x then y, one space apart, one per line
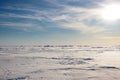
35 22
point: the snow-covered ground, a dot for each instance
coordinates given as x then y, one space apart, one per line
64 62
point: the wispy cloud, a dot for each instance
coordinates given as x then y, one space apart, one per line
24 16
78 18
23 26
84 28
68 16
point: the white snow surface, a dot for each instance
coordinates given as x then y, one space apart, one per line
61 62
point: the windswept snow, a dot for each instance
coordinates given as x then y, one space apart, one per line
62 62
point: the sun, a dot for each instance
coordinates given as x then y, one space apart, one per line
110 12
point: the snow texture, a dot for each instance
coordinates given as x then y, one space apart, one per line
60 62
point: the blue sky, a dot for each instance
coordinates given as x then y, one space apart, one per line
56 22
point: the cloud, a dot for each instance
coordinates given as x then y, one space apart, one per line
69 17
80 19
61 17
84 28
23 26
24 16
16 24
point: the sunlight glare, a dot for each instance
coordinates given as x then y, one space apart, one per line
111 12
